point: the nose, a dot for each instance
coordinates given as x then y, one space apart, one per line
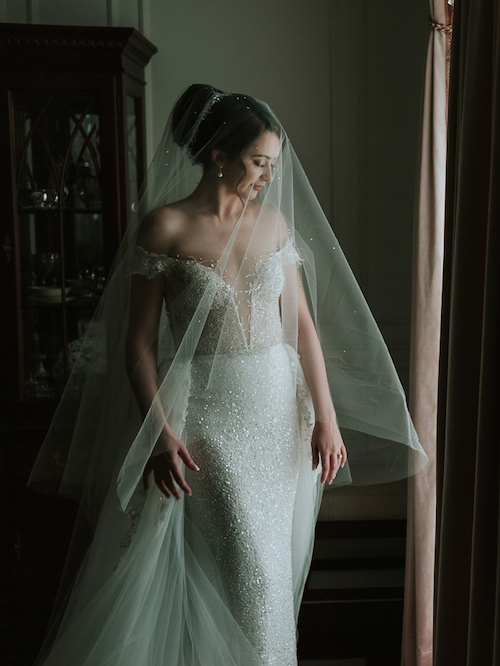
268 173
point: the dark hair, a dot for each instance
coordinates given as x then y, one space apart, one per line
230 124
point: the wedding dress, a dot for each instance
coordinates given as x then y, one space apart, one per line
236 531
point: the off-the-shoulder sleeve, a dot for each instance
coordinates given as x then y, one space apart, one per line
148 264
289 255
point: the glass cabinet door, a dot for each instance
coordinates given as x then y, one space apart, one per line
60 227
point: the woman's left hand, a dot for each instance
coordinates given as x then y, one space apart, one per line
327 446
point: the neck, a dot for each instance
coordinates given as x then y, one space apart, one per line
214 198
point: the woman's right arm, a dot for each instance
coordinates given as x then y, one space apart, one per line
146 302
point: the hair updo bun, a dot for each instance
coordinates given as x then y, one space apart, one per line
206 118
188 109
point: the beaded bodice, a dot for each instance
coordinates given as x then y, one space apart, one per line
236 317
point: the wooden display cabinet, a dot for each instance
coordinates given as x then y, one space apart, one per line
72 160
71 163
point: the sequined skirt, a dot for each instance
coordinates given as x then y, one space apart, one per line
242 430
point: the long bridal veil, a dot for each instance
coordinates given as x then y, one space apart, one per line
97 445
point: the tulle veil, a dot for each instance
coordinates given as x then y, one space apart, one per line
98 444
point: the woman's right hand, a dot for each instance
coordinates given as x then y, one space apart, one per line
167 471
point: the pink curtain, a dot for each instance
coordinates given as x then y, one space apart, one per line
426 316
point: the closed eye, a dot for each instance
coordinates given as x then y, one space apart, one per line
273 166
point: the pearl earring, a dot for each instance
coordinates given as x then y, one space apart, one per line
220 171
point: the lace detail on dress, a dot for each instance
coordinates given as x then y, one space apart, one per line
237 319
289 255
148 263
133 513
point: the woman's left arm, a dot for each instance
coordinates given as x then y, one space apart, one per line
326 442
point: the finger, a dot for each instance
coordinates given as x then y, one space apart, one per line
163 488
162 478
172 488
315 458
331 470
187 460
160 484
325 469
181 481
171 485
334 466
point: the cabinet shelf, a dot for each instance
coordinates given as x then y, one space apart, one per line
89 303
66 209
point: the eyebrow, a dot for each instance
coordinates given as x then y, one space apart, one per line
267 157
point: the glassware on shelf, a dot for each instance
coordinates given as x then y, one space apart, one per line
50 295
37 385
89 285
43 198
45 276
42 265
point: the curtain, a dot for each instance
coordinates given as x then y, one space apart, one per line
467 611
424 363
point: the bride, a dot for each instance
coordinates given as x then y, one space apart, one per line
202 474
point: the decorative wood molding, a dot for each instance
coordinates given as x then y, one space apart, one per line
58 43
127 40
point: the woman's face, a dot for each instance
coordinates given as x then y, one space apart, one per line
259 160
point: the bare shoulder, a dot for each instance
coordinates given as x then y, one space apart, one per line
160 228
